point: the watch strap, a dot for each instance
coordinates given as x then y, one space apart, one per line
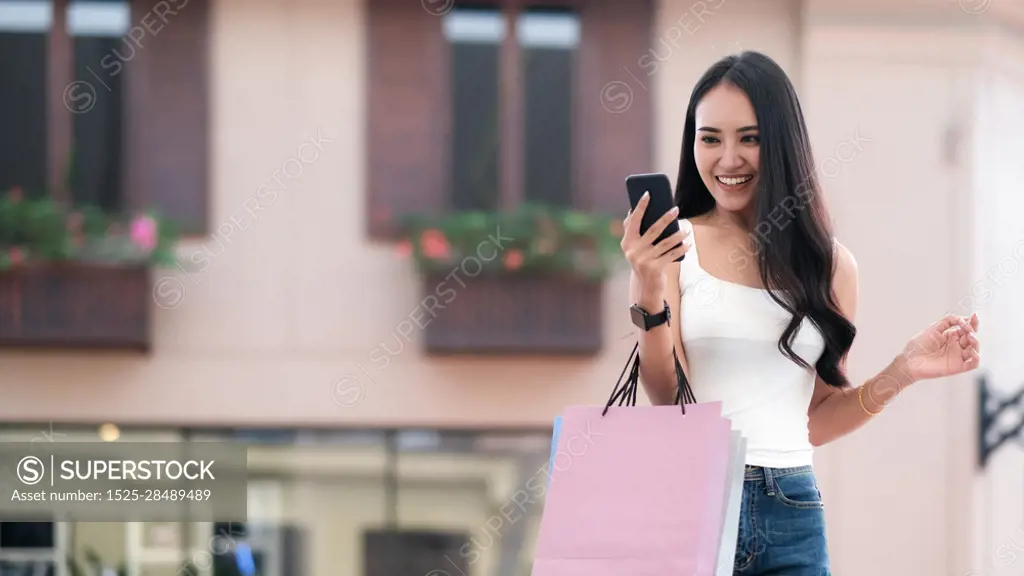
651 321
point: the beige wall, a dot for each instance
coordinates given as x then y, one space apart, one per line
997 288
291 298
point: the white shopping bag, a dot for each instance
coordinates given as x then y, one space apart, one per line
733 502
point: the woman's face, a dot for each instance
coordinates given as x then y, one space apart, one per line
727 147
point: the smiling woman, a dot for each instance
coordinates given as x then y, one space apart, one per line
745 152
771 347
730 177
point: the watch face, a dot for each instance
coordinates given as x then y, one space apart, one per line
639 318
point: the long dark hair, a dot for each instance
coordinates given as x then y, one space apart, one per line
793 244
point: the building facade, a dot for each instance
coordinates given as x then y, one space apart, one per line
297 326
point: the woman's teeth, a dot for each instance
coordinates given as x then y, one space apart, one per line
728 181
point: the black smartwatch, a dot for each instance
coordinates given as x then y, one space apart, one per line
643 319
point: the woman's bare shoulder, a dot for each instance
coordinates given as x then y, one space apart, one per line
845 280
845 263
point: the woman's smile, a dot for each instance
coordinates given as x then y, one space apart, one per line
734 182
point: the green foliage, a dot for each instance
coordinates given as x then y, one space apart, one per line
533 239
44 230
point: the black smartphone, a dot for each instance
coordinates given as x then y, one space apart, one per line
661 202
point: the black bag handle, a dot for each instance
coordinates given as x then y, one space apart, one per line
626 393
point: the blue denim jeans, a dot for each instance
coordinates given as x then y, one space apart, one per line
782 524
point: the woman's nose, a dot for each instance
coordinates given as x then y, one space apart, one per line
730 159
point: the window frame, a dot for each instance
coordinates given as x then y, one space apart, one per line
512 118
410 174
149 148
55 555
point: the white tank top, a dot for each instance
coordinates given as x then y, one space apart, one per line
730 334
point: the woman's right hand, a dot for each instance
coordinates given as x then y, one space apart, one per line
647 259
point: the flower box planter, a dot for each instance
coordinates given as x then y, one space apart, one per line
512 314
75 305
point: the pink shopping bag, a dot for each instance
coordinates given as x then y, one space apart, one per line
637 491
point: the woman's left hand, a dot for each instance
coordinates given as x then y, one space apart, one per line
947 347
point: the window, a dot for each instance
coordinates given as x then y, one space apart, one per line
95 97
511 106
29 548
396 551
497 103
548 42
82 81
27 535
23 47
475 37
361 501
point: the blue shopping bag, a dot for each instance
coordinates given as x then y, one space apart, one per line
554 446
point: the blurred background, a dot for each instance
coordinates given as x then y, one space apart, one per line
341 173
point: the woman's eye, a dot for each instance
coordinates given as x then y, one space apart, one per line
709 140
752 139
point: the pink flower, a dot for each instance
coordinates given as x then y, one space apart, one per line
513 259
143 232
435 245
74 221
616 229
404 248
16 255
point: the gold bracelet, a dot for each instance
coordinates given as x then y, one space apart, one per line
860 396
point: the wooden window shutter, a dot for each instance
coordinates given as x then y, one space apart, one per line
614 128
409 116
167 96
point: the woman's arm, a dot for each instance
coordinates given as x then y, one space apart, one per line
654 279
657 368
947 347
835 412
